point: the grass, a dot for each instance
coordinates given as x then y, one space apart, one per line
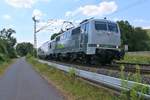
72 88
132 93
142 59
4 66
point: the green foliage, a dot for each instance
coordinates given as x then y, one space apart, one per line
136 87
28 56
25 48
54 35
72 73
132 94
136 38
142 59
124 93
5 65
7 43
3 57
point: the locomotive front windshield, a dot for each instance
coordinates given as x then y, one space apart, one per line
113 27
102 26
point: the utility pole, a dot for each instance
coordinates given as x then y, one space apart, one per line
35 37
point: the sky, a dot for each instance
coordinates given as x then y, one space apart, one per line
17 14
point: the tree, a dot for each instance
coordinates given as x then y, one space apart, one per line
25 48
54 35
136 38
7 42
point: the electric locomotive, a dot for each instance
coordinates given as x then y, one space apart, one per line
92 41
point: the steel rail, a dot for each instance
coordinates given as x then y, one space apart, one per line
108 81
114 66
129 63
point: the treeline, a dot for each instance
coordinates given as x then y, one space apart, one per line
10 49
7 44
25 48
136 38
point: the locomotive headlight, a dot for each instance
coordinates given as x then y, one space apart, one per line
97 45
117 47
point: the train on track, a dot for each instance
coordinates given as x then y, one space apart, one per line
92 41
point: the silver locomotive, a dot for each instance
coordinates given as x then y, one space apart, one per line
94 40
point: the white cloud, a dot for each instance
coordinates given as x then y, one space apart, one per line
45 0
103 8
7 17
37 13
146 27
23 3
53 25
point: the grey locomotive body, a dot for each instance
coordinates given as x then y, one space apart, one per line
93 40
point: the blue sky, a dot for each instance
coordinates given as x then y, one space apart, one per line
17 14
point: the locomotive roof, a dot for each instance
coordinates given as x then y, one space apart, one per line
92 19
85 21
47 42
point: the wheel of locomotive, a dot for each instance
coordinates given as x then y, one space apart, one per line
83 58
73 57
49 57
57 57
106 59
88 59
68 57
60 57
94 60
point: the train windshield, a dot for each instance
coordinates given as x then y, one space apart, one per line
113 27
100 26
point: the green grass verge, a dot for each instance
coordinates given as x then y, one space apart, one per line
4 66
142 59
73 88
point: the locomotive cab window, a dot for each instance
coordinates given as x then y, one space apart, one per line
76 31
100 26
113 27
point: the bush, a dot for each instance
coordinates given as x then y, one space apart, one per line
132 93
72 73
28 56
142 59
3 58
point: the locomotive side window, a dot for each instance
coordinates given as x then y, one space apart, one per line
86 27
113 27
100 26
76 31
50 46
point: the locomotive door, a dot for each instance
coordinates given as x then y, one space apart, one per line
84 36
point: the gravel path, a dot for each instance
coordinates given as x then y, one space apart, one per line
21 82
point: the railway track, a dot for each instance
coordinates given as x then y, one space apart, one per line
111 70
115 66
131 67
